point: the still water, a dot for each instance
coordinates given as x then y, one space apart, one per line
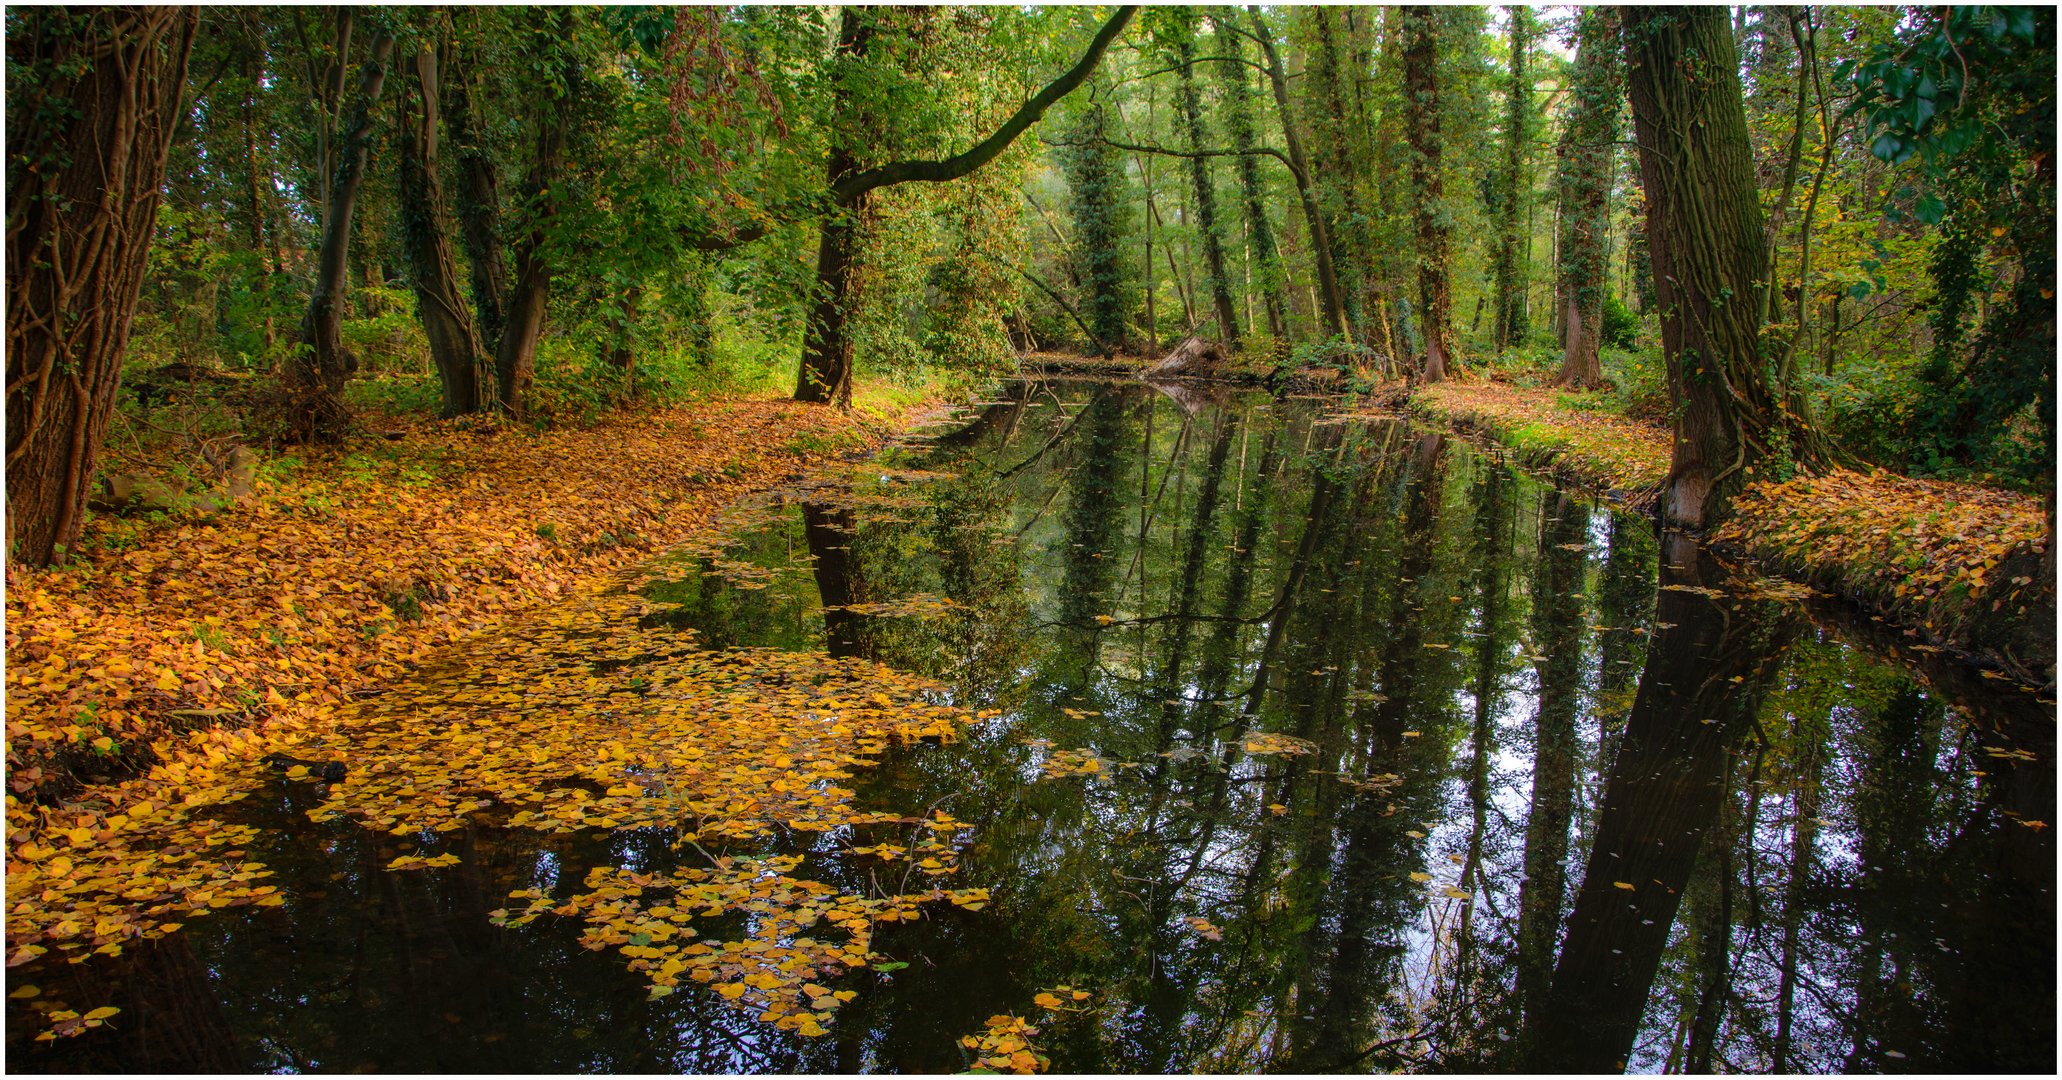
1322 744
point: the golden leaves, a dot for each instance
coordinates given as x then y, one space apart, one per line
1005 1046
1283 745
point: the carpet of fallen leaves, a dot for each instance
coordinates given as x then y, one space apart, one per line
344 574
1939 555
1550 430
586 716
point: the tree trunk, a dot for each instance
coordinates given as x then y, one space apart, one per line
826 375
1191 101
1708 669
1511 323
479 205
434 272
318 372
1587 153
1704 236
1299 166
1427 144
1239 124
515 355
620 351
96 124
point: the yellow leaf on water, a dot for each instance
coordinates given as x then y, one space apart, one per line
102 1013
1626 885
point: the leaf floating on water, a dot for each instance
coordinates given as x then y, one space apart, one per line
1204 927
1419 875
1284 745
1455 894
1626 885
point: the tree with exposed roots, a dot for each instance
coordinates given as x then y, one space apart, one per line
1704 235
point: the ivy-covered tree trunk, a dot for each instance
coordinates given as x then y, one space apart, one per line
1095 183
316 376
1191 101
1588 149
93 96
1346 222
1428 187
1704 235
445 321
1238 122
1513 188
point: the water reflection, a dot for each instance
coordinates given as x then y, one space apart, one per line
1402 761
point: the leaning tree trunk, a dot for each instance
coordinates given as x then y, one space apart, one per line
93 94
1704 236
1334 305
445 321
515 355
319 370
1590 146
1427 144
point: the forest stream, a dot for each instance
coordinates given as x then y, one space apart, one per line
1299 742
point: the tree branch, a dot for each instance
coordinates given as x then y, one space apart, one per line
1257 151
958 165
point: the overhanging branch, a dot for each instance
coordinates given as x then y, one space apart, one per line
958 165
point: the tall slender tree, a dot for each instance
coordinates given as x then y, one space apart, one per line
318 371
1514 187
1236 83
1421 101
1182 30
1589 147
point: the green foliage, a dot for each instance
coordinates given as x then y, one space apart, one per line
1621 326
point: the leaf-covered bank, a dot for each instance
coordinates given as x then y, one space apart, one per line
1961 565
161 638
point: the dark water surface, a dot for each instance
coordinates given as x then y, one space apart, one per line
1375 753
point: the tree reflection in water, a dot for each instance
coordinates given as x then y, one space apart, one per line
1408 762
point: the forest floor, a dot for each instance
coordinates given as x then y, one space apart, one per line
165 637
1961 566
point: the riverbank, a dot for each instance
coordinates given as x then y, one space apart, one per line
1962 567
161 639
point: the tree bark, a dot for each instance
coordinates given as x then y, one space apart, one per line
479 204
1587 152
87 158
1191 103
432 269
1512 325
319 370
1427 144
825 374
1239 124
1704 236
1299 167
515 355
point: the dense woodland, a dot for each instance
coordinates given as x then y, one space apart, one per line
1802 235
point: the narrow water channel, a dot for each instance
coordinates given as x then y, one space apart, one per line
1314 744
